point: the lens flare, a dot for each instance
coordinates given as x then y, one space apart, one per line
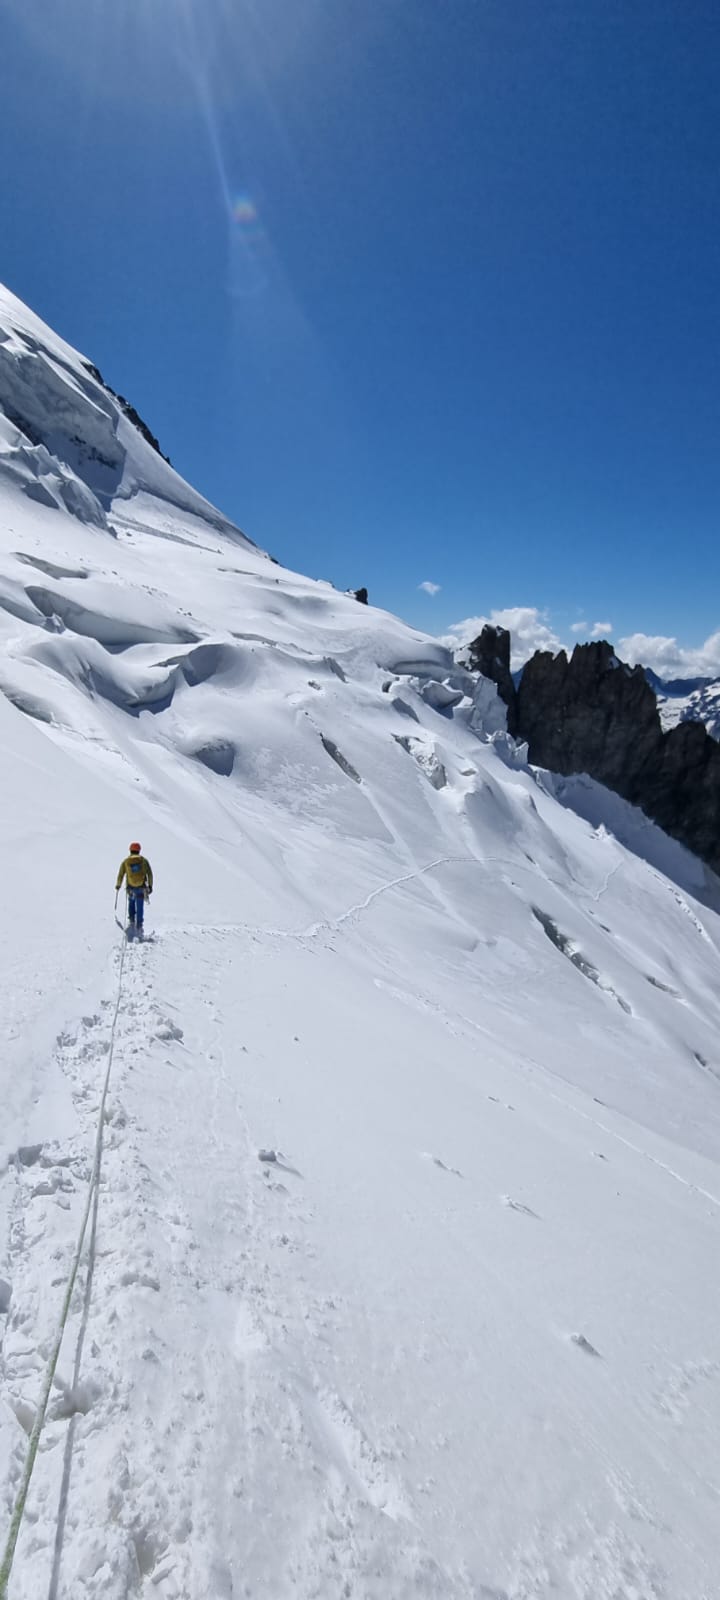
244 211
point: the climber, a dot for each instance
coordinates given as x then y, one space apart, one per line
138 872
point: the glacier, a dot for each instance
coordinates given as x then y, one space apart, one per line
403 1280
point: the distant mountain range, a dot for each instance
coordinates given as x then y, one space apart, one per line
687 700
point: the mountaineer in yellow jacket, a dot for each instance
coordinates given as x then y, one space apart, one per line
136 869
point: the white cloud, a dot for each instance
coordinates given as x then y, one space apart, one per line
529 631
430 588
670 659
598 630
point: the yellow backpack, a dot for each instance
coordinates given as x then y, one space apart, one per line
136 868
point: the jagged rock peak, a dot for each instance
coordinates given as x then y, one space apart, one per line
489 655
593 713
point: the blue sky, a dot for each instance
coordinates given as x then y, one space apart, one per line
415 290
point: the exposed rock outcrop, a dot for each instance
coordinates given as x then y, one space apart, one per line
588 714
594 714
130 411
489 655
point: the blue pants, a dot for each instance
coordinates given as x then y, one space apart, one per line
136 906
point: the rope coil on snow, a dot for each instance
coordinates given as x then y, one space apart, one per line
40 1417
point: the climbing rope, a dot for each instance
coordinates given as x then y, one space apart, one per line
40 1417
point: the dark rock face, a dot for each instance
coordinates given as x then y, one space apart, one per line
361 595
489 655
129 409
683 790
141 426
594 714
588 713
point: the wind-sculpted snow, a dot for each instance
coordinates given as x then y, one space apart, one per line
44 479
55 406
107 629
49 567
69 440
404 1282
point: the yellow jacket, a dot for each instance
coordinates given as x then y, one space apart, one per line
138 871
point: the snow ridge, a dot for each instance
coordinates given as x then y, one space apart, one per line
67 439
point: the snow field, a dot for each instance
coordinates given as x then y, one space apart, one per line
403 1276
260 1396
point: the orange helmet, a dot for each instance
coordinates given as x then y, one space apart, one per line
134 849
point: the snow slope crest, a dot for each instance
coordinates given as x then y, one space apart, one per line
67 439
403 1279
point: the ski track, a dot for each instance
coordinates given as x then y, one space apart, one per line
315 929
331 923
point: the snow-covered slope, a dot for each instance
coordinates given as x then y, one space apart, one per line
678 702
404 1275
66 440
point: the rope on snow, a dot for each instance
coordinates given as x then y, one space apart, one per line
40 1417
